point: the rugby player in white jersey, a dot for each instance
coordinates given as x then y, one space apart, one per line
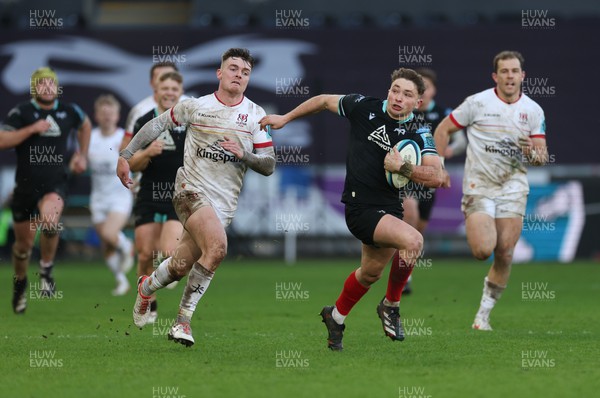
110 203
506 131
224 139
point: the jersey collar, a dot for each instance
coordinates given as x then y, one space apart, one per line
36 106
508 103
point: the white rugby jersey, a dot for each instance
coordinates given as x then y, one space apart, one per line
103 154
207 167
138 110
494 164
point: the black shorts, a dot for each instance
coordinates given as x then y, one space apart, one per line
25 200
362 219
146 212
425 197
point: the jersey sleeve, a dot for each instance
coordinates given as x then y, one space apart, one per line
261 138
181 113
538 125
13 121
463 115
348 103
427 143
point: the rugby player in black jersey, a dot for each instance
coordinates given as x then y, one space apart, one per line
157 228
373 207
419 199
39 131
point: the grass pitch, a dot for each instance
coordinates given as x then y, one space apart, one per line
258 335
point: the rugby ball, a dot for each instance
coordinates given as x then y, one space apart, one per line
411 153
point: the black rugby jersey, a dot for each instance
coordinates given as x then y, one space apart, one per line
42 158
432 116
159 176
373 134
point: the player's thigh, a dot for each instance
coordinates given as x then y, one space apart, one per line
51 206
394 233
481 234
147 237
170 236
114 223
509 231
208 232
374 259
411 210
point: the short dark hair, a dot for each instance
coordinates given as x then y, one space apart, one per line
162 65
171 75
409 74
508 55
428 73
242 53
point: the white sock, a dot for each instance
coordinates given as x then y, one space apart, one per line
491 294
124 244
197 284
46 264
391 303
114 263
158 279
337 317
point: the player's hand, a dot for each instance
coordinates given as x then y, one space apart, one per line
274 121
123 172
40 126
155 148
233 147
446 183
78 163
526 143
393 161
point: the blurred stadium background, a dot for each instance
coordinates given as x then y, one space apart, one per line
312 47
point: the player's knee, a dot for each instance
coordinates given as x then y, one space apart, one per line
50 230
504 253
145 256
21 251
481 252
215 255
413 247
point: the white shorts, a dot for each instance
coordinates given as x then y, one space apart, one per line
189 199
111 204
508 206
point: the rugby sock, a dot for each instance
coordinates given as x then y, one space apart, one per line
399 273
491 294
46 267
114 263
351 294
158 279
124 244
197 283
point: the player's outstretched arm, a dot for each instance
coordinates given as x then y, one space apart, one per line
312 105
12 138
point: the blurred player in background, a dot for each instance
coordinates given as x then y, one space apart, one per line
110 203
224 140
506 131
157 228
39 130
374 208
419 199
149 103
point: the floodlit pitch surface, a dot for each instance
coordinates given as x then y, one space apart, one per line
258 335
